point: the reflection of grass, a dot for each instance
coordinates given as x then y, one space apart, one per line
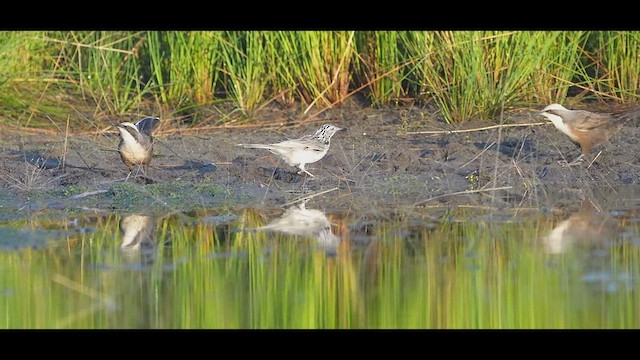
455 274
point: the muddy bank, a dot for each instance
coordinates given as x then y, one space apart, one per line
381 161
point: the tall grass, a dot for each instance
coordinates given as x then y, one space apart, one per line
25 73
105 65
616 64
466 74
244 68
380 60
473 74
183 67
21 57
320 64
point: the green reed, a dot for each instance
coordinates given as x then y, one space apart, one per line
466 74
20 57
185 65
461 273
318 63
245 68
380 59
616 64
105 65
25 73
472 74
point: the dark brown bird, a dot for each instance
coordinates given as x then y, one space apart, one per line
586 129
136 143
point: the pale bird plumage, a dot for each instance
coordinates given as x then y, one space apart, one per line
557 120
131 148
304 150
136 143
139 238
300 221
137 231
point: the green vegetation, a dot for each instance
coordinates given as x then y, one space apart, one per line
87 76
458 273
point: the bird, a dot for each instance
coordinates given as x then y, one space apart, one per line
136 143
139 237
303 222
586 129
304 150
586 227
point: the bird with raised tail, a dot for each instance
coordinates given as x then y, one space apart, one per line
586 129
136 143
304 150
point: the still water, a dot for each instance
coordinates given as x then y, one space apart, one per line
306 268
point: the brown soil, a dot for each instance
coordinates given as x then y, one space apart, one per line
379 162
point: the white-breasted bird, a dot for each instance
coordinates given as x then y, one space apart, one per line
304 150
303 222
586 129
136 143
139 237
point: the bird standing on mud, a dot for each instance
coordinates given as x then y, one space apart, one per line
305 150
136 143
585 129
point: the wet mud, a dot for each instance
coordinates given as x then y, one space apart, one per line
387 158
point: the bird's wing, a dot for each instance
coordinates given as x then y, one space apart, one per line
593 120
300 144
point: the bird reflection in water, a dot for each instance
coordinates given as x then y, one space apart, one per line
300 221
586 228
138 237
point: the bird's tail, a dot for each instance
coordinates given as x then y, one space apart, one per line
147 125
631 115
256 146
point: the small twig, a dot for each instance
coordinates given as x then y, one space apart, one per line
462 193
95 210
101 48
339 177
594 160
88 193
308 197
273 175
477 156
474 129
65 144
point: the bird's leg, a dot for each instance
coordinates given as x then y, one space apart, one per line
302 170
306 172
144 169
